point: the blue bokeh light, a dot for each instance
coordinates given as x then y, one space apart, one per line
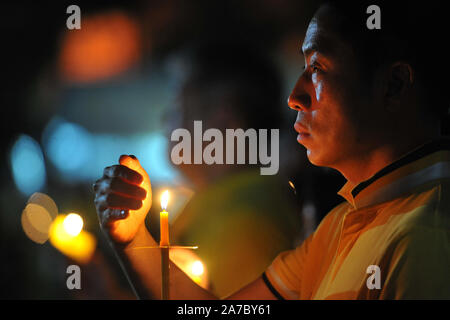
27 164
81 156
152 149
68 146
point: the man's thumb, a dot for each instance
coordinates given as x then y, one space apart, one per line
131 162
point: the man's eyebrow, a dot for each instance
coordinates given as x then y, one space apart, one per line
309 49
322 48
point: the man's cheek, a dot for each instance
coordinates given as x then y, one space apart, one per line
320 125
318 87
319 90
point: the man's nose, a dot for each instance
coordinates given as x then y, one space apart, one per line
299 99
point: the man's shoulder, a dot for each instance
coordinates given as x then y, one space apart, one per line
333 218
432 210
422 217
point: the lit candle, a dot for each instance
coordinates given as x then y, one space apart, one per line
164 220
164 243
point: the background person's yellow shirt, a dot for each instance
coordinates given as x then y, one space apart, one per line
399 220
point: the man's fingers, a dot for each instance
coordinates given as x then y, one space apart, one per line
124 173
117 185
111 215
117 201
130 161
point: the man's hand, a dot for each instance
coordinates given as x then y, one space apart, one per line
123 197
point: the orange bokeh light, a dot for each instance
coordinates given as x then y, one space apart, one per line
106 45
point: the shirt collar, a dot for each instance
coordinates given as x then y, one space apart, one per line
427 163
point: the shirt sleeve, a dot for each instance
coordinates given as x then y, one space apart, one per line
284 275
419 266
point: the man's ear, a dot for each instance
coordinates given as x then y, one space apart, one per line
400 78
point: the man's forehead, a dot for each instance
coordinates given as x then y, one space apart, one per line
320 38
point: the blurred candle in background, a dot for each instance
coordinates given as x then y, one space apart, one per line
67 236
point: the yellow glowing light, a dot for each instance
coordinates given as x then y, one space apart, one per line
165 199
73 224
191 264
291 184
35 222
197 268
37 217
80 247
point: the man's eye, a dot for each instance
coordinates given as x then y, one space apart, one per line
315 68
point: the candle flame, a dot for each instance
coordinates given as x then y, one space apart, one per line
165 199
73 224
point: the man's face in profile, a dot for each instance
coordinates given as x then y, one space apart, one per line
338 112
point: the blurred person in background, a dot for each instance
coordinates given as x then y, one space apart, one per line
239 218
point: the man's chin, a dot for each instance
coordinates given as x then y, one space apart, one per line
310 156
315 158
314 154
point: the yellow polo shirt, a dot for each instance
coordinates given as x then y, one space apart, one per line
397 221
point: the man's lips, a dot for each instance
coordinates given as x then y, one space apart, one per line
302 131
300 128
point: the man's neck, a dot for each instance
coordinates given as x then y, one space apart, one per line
365 166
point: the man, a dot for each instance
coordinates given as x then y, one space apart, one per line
369 113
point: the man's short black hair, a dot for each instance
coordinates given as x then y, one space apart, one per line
410 31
